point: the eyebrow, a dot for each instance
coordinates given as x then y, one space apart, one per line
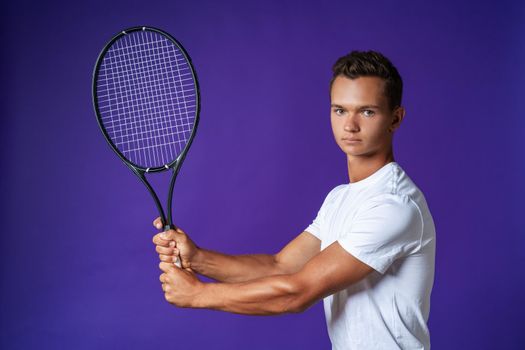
358 107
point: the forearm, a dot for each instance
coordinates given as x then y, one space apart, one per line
264 296
327 273
238 268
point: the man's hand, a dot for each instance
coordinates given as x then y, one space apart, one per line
181 287
174 243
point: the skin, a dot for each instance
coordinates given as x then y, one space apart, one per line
300 274
360 110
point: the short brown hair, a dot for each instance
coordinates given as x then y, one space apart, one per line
371 64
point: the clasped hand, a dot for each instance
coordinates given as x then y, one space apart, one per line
180 285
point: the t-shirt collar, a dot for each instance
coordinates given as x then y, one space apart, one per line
372 178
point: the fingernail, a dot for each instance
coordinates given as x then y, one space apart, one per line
159 226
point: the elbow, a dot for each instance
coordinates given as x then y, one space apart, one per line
277 266
300 305
299 298
298 308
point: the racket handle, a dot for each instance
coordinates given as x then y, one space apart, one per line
177 261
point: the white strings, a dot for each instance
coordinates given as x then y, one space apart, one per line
147 98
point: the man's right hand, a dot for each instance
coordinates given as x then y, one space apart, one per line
173 243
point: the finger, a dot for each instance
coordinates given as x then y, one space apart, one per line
164 250
185 264
180 238
168 235
166 267
164 278
166 258
157 223
159 241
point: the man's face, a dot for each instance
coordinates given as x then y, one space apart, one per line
361 117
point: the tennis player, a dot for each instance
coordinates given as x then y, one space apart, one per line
369 253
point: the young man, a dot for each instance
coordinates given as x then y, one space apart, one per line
369 252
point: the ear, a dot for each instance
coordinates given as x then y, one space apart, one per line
398 115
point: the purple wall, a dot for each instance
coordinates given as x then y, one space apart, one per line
78 269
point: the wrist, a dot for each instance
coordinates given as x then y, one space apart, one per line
202 299
197 259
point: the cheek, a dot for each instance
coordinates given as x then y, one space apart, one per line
378 132
335 123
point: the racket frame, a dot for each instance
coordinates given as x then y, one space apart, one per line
138 170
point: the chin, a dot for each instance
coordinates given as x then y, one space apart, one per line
353 151
356 149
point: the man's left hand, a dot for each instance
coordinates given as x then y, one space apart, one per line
181 287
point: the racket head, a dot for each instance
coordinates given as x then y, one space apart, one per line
146 98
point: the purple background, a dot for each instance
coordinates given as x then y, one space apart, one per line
78 269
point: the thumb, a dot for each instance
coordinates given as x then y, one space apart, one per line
157 223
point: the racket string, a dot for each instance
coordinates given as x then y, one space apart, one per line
147 106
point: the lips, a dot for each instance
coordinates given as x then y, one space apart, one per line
348 139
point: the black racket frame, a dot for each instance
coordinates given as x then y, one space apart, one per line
175 165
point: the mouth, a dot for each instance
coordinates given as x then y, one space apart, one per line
350 140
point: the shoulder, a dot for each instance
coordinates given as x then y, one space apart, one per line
394 207
332 195
335 191
393 199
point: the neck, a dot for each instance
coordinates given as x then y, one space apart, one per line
360 168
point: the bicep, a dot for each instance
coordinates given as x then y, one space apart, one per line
330 271
297 253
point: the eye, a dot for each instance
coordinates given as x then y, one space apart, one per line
368 113
339 111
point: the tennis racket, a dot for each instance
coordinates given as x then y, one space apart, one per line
146 99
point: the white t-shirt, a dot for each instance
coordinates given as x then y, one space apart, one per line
383 221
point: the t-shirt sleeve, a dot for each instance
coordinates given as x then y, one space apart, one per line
385 228
315 227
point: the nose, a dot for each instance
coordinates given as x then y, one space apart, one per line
351 124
